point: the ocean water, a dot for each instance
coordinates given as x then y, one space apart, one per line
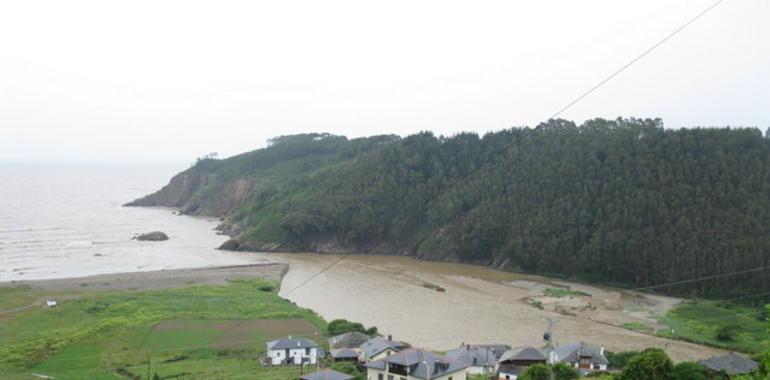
66 220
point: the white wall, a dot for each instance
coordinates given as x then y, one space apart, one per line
296 355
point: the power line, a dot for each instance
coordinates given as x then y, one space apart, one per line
343 257
640 56
693 280
491 158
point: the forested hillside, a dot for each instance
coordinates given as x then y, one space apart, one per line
617 201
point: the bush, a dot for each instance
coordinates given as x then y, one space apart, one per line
650 364
536 372
690 371
560 371
563 371
727 332
341 326
618 360
348 368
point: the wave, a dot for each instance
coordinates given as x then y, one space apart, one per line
42 229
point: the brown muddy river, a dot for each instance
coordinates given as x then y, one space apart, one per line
479 305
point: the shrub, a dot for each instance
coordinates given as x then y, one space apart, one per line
727 332
562 371
650 364
341 326
536 372
618 360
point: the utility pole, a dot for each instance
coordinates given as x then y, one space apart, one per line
550 342
148 366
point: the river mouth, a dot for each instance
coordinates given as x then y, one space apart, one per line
439 306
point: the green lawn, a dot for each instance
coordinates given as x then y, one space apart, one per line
701 321
564 292
96 336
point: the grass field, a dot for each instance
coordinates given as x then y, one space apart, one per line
564 292
701 322
201 331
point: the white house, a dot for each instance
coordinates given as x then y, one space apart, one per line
416 364
292 351
50 303
581 356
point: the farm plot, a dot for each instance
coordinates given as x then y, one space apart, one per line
235 334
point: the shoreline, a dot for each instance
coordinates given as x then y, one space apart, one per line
159 279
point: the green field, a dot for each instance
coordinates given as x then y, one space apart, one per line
742 327
564 292
200 332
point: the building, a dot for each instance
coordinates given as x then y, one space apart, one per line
416 364
345 354
326 374
581 356
379 347
481 359
514 362
732 363
50 303
347 346
353 339
292 352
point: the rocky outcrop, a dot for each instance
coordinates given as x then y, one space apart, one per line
152 236
177 193
195 193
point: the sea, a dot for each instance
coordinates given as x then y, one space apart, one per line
67 220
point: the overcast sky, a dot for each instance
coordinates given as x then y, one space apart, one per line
167 81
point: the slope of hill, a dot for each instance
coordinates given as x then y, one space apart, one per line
618 201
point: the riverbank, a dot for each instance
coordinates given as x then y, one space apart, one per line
479 305
202 323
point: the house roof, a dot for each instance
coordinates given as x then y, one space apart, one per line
731 363
476 355
326 374
416 360
344 353
289 343
379 344
572 352
524 353
351 339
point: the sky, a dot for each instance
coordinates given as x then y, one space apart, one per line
168 81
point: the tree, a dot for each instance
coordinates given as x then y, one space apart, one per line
536 372
689 371
650 364
622 201
341 326
348 368
618 360
562 371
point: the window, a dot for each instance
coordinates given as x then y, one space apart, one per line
380 376
390 377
